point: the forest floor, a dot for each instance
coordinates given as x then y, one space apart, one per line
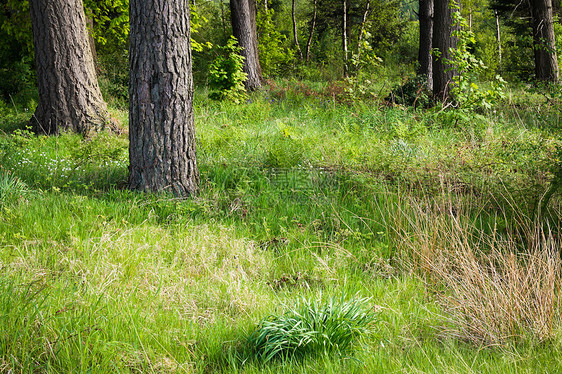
428 218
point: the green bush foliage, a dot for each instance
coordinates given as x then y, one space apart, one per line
226 78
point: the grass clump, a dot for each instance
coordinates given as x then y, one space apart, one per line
12 189
498 282
312 327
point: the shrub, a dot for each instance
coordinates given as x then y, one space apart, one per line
226 78
312 327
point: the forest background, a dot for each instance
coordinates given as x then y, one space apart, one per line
347 216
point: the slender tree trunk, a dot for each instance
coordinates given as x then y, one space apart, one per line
223 18
498 39
344 41
544 40
161 130
361 32
311 34
243 18
425 42
294 16
69 95
443 41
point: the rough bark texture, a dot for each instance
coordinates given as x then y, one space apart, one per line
69 95
243 18
546 61
443 40
161 130
425 45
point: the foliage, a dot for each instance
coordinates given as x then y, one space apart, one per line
413 92
312 327
226 77
274 53
17 76
110 20
465 89
197 21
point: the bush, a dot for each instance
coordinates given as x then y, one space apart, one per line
226 78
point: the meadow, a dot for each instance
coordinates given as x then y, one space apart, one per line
423 232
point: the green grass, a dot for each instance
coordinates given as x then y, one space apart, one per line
302 199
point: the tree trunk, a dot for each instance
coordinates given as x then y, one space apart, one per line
161 130
546 61
498 39
69 95
243 18
91 40
344 41
309 43
294 16
360 36
443 40
425 42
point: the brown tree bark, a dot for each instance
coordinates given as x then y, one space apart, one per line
443 40
161 130
69 95
544 41
243 18
425 42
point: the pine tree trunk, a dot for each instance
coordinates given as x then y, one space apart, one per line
544 40
69 95
425 43
443 40
161 129
243 18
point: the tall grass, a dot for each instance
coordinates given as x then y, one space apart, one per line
497 280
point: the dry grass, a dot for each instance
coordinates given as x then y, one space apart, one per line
496 285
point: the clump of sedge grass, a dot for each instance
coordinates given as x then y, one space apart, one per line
312 327
498 285
12 189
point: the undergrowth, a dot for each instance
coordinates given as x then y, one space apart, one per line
429 215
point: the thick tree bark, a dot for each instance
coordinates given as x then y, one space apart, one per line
546 61
311 34
425 42
243 18
443 40
161 130
69 95
295 36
